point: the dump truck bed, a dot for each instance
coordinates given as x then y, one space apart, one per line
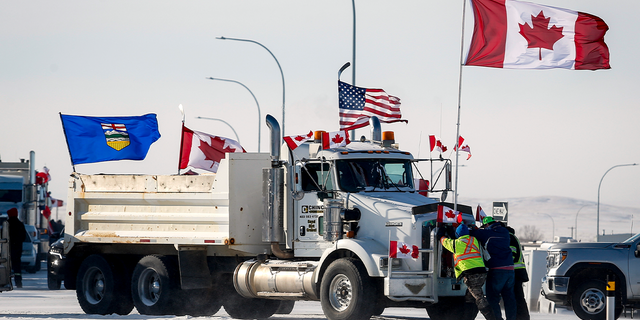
214 210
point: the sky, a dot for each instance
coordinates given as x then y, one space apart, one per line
531 132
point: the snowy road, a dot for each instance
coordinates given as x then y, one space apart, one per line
35 301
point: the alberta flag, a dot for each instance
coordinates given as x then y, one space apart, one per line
98 139
524 35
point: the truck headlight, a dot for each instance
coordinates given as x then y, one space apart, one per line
554 259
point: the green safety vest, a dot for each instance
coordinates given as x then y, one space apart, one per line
466 253
517 264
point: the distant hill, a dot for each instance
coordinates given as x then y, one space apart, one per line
541 211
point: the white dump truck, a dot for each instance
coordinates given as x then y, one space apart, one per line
266 230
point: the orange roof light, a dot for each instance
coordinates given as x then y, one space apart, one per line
317 136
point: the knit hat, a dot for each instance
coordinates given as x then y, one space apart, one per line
13 212
462 230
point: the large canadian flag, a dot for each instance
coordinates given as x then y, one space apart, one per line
204 151
295 141
516 34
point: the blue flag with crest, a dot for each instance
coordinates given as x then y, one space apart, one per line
98 139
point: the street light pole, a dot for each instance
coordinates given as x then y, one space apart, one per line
216 119
600 184
281 73
576 222
553 226
254 98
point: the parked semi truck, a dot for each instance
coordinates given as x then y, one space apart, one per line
265 230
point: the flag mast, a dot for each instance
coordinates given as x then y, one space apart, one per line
455 191
181 138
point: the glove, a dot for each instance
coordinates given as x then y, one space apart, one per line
441 233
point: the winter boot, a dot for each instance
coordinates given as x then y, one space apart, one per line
18 279
488 314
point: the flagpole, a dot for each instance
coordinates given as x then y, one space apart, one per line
455 192
181 138
67 140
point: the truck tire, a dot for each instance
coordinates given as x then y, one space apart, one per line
153 287
346 291
239 307
589 301
452 308
286 306
199 302
53 283
98 289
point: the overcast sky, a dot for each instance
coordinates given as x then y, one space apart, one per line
531 132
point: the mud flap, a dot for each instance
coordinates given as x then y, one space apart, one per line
194 270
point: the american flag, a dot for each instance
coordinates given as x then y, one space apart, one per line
357 105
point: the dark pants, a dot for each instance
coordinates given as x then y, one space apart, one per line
521 302
500 283
16 257
474 283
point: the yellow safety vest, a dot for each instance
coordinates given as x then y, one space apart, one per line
520 263
466 253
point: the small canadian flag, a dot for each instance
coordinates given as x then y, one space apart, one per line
480 214
295 141
401 250
436 144
447 215
335 139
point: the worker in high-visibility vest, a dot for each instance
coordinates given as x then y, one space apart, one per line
521 276
469 265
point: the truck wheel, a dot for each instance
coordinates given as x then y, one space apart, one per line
452 308
199 302
286 306
152 286
346 291
53 283
99 291
239 307
589 301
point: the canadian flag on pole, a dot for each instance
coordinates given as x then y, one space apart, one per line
401 250
463 146
295 141
204 151
435 144
335 139
523 35
447 215
480 214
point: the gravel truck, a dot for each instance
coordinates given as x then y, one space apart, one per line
266 230
577 276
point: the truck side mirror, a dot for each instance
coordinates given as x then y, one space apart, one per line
637 252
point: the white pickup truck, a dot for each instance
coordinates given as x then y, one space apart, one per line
267 229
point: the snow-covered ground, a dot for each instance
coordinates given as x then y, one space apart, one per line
35 301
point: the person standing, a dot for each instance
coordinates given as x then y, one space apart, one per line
17 235
501 277
521 276
469 265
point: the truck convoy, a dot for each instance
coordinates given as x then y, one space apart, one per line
577 276
266 229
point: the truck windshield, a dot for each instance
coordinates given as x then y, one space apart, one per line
374 175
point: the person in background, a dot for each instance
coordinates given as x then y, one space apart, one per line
469 265
521 276
501 277
17 235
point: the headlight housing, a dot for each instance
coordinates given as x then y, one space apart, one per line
555 258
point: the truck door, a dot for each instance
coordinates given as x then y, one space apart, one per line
634 265
315 183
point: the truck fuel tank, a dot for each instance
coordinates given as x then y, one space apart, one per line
276 279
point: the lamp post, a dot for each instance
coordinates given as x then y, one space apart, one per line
600 184
216 119
353 58
254 98
274 57
576 222
553 227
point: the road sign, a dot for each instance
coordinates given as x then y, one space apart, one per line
501 211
